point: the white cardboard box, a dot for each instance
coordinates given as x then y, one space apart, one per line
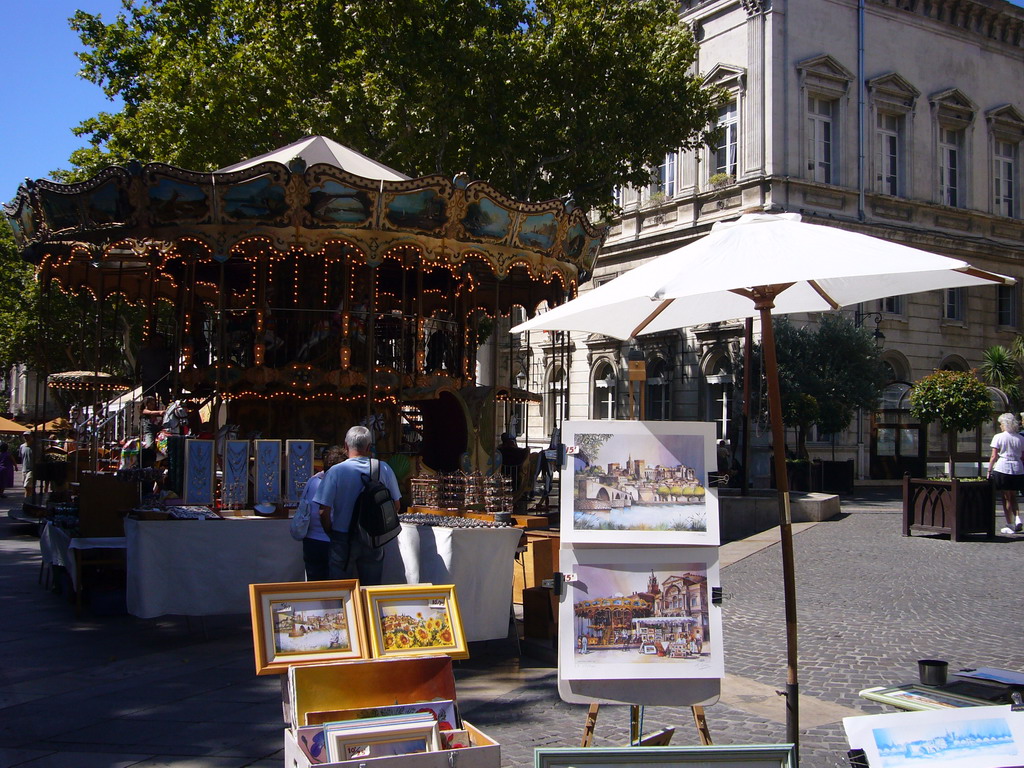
485 753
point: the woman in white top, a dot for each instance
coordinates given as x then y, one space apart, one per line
1006 469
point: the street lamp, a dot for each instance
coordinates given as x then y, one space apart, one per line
858 322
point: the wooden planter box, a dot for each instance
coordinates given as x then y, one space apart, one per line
948 506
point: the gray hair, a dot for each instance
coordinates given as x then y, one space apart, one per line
1009 423
358 438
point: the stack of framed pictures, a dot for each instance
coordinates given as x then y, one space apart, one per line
380 711
369 673
639 555
312 622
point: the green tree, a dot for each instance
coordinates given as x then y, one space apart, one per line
826 373
957 400
999 368
542 98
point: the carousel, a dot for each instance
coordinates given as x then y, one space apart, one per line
310 289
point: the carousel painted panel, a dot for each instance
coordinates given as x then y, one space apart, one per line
487 220
173 200
199 472
639 482
298 469
267 478
332 202
640 613
235 491
424 209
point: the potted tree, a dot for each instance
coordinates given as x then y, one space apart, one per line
958 401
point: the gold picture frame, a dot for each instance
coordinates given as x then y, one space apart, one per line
306 622
414 620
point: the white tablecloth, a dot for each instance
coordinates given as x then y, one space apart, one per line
205 567
478 561
58 548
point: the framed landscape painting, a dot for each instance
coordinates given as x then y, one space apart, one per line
415 620
639 482
641 613
306 622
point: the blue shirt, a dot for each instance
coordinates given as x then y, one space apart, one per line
343 483
316 529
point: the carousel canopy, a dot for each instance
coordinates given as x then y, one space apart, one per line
319 150
141 230
86 380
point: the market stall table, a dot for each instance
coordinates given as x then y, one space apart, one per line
478 561
205 567
58 547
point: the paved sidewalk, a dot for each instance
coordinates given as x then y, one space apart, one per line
118 691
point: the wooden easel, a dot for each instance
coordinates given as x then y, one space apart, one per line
634 725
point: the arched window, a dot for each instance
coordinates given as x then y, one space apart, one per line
659 391
718 400
605 391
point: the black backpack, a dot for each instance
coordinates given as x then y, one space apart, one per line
375 513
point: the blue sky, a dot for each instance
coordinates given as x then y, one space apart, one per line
44 96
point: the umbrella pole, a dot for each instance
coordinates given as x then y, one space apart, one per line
785 518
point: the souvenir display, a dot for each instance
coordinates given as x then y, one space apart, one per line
298 469
449 521
234 493
199 472
192 513
267 482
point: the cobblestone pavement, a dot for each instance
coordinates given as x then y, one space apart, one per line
117 691
871 603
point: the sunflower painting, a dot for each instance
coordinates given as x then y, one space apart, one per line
415 620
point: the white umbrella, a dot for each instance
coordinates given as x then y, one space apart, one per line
710 280
761 264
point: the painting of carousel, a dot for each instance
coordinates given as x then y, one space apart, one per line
668 619
310 289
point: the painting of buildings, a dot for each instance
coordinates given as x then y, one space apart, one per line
639 613
632 479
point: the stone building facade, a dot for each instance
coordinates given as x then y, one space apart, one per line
902 119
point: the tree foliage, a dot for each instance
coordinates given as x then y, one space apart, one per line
1000 368
542 98
957 400
826 373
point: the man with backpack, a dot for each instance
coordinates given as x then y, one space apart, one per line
352 552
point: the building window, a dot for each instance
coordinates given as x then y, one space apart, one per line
664 177
727 149
557 402
890 153
951 167
955 304
953 114
1006 306
821 115
659 402
1004 177
605 391
892 305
